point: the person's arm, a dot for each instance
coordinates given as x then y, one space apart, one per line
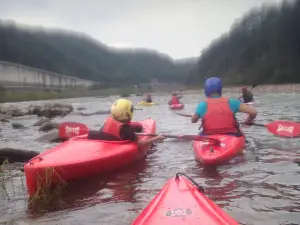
200 111
195 118
250 111
127 133
143 142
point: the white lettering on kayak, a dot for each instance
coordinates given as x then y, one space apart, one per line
72 130
286 129
178 212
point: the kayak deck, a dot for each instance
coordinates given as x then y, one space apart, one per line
81 157
177 106
210 154
146 103
180 202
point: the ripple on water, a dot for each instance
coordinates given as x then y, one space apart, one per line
262 186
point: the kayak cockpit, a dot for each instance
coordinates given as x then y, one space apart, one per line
102 136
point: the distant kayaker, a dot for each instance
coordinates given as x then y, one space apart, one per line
117 127
247 95
179 93
218 112
174 99
148 98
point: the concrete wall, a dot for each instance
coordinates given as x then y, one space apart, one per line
12 74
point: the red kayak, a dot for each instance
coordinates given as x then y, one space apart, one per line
81 157
181 202
177 106
210 154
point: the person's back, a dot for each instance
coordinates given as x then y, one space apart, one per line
117 126
217 112
219 116
148 99
247 95
174 99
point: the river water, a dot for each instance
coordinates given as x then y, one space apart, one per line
260 187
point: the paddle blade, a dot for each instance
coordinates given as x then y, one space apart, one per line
284 128
72 129
254 85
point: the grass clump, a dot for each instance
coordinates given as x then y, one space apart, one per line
3 188
48 195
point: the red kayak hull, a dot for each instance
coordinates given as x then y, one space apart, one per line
209 154
180 202
177 106
81 157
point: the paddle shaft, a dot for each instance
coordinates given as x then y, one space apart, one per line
186 137
154 135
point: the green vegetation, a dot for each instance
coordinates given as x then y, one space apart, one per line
262 48
79 55
16 96
47 196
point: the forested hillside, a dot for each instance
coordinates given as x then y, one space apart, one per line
263 47
79 55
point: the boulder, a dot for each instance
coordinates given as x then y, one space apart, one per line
48 126
17 126
42 121
16 155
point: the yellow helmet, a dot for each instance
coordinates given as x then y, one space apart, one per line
122 110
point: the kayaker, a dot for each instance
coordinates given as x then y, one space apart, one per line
174 99
179 93
218 112
117 127
148 98
247 95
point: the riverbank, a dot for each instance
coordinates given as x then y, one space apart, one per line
17 96
270 88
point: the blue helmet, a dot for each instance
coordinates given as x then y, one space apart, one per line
213 84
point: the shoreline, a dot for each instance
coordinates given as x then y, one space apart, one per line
29 96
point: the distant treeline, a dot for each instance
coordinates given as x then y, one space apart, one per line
263 47
79 55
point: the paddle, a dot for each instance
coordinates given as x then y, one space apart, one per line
182 114
73 129
188 137
282 128
278 127
253 86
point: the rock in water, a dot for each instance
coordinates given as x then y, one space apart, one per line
51 137
18 126
48 126
4 120
16 155
42 121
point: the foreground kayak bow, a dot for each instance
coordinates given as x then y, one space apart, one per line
181 201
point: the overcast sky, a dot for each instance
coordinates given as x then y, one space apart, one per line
180 28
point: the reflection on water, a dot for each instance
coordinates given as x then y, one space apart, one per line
262 186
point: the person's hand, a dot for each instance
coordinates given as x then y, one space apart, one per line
247 123
160 137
